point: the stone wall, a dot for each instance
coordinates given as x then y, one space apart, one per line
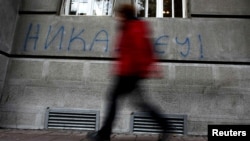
8 14
65 61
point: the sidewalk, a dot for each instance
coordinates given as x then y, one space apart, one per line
73 135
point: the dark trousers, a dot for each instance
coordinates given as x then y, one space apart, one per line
123 86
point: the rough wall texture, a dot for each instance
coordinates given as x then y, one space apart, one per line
222 7
40 6
3 69
51 66
218 95
8 15
174 39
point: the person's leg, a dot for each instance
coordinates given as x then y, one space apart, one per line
159 119
152 111
123 85
106 129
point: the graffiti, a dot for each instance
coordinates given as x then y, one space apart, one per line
158 43
61 30
56 36
77 37
186 44
183 45
60 37
29 37
100 40
201 47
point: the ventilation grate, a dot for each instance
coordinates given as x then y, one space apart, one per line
72 119
143 123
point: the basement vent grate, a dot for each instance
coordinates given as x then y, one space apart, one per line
143 123
72 119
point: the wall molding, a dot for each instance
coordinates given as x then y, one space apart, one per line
220 16
113 59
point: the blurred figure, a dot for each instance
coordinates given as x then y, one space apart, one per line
136 62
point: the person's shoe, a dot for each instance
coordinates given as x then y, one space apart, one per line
94 136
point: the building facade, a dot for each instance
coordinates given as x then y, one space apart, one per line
57 54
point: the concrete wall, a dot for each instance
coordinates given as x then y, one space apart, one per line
3 69
222 7
175 39
8 14
206 91
40 6
219 95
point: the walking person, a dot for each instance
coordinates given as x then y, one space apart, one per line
136 62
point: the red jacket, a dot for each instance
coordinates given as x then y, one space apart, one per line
134 50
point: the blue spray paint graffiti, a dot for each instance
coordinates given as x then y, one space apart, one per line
77 37
158 43
61 30
183 45
29 37
57 36
186 44
100 40
201 47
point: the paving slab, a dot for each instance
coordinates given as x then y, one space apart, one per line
75 135
193 138
123 137
147 137
16 137
67 138
176 139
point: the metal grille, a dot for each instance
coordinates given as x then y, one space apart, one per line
143 123
72 119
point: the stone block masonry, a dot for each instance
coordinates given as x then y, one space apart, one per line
32 85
